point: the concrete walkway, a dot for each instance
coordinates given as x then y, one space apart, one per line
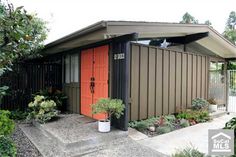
196 136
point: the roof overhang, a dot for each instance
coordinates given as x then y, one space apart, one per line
103 30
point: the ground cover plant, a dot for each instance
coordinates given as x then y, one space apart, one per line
164 124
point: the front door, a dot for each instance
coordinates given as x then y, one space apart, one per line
94 78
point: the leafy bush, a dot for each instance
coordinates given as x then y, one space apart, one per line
164 129
184 123
231 124
199 116
42 110
189 152
6 124
53 94
139 125
109 107
7 147
18 115
199 103
142 125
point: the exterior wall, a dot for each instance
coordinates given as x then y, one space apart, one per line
164 81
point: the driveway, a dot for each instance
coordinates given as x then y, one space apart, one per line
196 136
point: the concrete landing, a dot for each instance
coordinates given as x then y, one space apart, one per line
70 135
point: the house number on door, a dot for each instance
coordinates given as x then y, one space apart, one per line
119 56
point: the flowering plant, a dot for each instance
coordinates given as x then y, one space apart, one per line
42 110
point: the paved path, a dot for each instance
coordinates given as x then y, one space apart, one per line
196 136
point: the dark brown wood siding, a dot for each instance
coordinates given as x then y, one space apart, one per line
165 81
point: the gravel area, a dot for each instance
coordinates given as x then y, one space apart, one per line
24 147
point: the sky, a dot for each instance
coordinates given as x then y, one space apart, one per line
67 16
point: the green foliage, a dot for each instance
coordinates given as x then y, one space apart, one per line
7 125
42 110
109 107
143 125
184 123
139 125
230 32
187 18
18 115
231 124
163 129
199 103
53 94
231 65
189 152
198 116
21 34
3 91
7 147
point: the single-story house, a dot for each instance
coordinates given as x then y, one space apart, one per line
155 68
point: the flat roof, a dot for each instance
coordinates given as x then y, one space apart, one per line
102 30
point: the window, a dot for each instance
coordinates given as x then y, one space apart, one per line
72 68
67 69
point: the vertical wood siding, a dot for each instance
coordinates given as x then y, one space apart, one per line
165 81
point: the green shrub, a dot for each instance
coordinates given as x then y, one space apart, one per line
18 115
7 147
231 124
189 152
139 125
109 107
143 125
42 110
6 124
199 103
163 129
53 94
184 123
199 116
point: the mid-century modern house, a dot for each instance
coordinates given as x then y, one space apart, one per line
155 68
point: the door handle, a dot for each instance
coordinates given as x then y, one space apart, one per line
92 84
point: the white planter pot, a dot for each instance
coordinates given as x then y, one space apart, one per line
212 108
104 126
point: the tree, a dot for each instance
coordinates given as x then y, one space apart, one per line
230 32
187 18
21 35
208 22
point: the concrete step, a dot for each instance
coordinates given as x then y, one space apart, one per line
50 146
46 146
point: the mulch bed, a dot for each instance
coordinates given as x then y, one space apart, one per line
25 148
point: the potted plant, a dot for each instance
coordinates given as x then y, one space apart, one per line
212 105
109 107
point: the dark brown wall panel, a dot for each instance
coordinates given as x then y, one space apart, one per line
184 81
159 81
151 82
143 82
178 81
165 81
172 83
199 75
135 82
189 80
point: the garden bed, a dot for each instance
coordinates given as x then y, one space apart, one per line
163 124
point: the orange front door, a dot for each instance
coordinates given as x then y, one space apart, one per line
94 67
